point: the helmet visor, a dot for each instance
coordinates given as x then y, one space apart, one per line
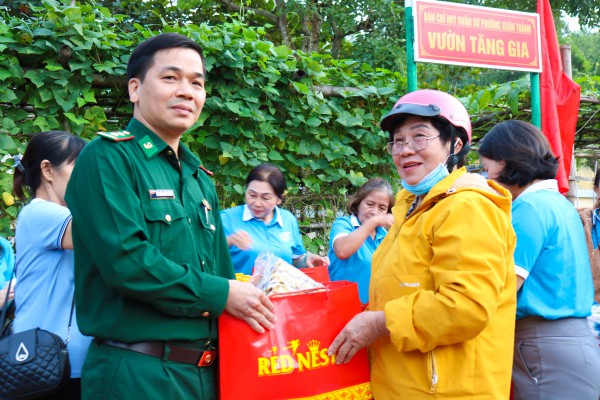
423 110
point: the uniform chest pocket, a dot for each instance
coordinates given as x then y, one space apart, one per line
168 227
206 219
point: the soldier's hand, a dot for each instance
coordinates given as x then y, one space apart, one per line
250 304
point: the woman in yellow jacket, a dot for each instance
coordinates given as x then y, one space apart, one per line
440 323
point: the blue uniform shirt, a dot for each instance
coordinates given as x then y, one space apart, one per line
551 255
7 261
356 268
596 228
44 289
281 236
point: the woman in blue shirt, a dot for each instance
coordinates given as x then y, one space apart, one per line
555 356
590 217
44 244
7 262
260 225
354 238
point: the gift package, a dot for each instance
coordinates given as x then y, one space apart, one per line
291 361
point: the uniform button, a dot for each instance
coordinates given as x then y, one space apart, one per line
205 314
167 218
212 227
170 152
189 220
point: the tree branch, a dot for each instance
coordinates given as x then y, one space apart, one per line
280 19
263 13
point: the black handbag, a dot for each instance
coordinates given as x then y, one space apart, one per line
33 363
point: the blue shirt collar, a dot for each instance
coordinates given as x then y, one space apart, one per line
247 216
356 223
547 184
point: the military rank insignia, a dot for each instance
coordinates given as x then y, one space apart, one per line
117 136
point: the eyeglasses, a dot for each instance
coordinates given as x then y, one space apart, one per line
417 144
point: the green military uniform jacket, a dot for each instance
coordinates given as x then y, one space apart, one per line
151 257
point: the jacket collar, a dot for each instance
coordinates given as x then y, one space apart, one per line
449 186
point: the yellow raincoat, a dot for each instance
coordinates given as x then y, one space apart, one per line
445 278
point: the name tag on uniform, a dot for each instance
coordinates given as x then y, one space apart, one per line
162 194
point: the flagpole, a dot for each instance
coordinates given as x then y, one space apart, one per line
536 107
573 194
411 66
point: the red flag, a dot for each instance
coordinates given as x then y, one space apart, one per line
559 97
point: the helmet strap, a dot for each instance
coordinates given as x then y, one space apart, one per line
452 158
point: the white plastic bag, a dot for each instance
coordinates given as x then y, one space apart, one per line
274 275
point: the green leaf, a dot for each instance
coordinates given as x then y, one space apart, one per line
239 189
314 122
485 99
264 47
45 94
233 107
513 100
72 117
53 65
89 96
282 51
41 123
77 65
300 87
348 120
35 77
250 35
42 32
275 156
7 142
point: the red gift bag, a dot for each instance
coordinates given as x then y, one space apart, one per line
319 274
291 361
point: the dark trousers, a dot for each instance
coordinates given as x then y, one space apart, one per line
112 373
70 392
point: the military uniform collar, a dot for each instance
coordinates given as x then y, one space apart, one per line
151 144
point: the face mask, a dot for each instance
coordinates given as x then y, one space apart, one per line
429 181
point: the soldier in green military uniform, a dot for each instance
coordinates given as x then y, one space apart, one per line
152 267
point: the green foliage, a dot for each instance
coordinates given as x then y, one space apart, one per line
259 108
63 67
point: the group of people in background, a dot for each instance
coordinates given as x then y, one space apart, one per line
475 288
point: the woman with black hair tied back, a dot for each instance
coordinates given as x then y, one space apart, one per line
555 356
44 244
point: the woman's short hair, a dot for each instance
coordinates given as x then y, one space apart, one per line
58 147
367 188
271 174
524 149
